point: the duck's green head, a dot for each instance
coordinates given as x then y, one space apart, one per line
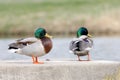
40 33
82 31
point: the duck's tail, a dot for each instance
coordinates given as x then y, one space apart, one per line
15 50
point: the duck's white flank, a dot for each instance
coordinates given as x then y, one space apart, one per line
36 49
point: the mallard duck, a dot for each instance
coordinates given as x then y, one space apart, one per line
35 47
81 45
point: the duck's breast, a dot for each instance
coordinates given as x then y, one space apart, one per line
47 43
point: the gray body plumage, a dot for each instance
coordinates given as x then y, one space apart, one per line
81 46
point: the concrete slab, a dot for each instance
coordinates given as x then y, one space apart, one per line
60 70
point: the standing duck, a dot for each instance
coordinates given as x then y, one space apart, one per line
35 47
81 45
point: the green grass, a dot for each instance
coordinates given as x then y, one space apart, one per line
20 8
64 16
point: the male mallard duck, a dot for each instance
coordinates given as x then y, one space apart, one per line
82 44
36 46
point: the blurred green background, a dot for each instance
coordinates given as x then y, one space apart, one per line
59 17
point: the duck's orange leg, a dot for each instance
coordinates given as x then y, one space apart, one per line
84 60
35 60
88 57
79 58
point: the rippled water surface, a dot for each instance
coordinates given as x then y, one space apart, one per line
103 49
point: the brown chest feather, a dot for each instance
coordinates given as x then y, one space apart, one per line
47 43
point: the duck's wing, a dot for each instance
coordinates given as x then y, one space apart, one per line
27 40
20 43
81 44
16 45
74 45
86 44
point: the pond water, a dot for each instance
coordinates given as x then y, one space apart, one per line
105 48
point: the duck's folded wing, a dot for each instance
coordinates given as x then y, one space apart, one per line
16 46
86 44
27 40
75 45
20 43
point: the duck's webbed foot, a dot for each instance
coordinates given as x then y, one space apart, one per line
35 60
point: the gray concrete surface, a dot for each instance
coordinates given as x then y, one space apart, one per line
58 70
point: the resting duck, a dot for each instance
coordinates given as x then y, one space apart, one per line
35 47
81 45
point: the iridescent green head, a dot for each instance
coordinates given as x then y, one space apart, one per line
82 31
40 33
